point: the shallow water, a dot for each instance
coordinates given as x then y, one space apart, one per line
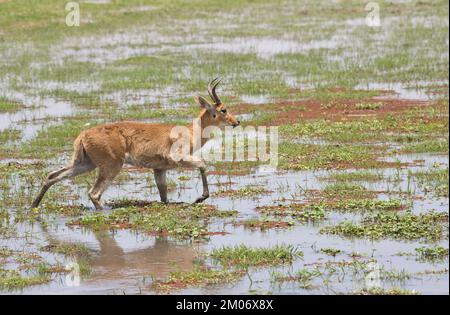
125 261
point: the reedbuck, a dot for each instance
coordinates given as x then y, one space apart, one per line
108 147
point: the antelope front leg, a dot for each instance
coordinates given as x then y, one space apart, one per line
160 178
189 161
205 194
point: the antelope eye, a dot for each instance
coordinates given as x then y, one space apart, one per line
224 110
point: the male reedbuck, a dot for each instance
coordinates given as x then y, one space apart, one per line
108 147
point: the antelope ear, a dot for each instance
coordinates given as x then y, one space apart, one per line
204 104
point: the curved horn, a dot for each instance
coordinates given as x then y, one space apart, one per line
212 91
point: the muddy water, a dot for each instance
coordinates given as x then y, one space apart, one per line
125 261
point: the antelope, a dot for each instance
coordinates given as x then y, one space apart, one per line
108 147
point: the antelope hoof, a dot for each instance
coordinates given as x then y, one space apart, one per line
98 206
34 205
201 198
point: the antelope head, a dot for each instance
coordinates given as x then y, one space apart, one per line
215 114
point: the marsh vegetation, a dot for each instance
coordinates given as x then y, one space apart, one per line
362 180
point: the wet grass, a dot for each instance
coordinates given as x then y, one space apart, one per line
13 280
438 146
245 192
264 224
425 121
432 254
433 180
300 212
244 256
9 135
303 277
370 106
383 291
59 209
306 156
366 205
72 250
346 190
363 176
177 220
8 106
331 251
428 226
199 276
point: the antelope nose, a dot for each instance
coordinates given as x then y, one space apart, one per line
237 123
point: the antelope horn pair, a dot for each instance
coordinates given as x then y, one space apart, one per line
212 91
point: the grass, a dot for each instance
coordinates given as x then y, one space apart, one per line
62 210
331 251
67 248
427 226
264 224
79 251
432 254
363 176
345 190
177 220
199 276
366 205
295 156
317 210
13 280
433 180
425 123
430 146
9 135
303 276
244 256
7 106
245 192
300 212
382 291
369 106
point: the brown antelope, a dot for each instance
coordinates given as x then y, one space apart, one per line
108 147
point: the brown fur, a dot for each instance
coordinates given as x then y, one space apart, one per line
108 147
